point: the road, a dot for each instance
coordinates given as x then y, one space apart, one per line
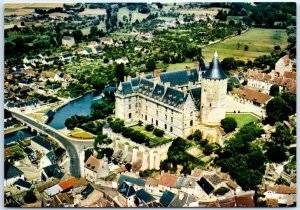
73 155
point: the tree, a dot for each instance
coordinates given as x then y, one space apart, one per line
290 99
78 35
221 191
120 72
30 197
128 166
149 127
229 64
246 48
277 110
276 153
229 124
158 132
208 149
282 135
274 90
197 135
94 31
150 64
71 123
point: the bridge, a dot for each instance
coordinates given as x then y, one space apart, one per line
45 129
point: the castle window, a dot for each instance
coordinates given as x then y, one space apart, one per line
210 104
145 117
171 129
171 119
129 115
129 106
156 112
152 121
191 123
166 117
156 122
166 126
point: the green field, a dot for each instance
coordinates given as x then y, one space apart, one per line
179 66
243 119
260 42
135 15
155 141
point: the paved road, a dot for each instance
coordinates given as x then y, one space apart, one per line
74 158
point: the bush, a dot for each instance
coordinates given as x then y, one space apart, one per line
149 127
140 123
221 191
158 132
128 166
229 124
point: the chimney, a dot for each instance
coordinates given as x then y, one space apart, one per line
142 75
156 73
125 79
167 84
181 195
188 69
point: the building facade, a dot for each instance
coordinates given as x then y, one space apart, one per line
177 102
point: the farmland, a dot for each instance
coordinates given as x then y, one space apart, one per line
259 41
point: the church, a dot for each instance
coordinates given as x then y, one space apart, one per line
178 102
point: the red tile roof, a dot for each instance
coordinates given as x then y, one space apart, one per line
168 180
252 95
93 163
290 74
272 202
244 201
69 183
282 189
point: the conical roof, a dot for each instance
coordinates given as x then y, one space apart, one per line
215 70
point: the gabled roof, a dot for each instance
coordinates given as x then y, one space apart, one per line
53 171
131 180
125 88
166 198
158 91
186 199
67 184
87 191
43 142
205 185
196 95
174 97
215 179
52 157
126 190
68 38
93 163
144 196
22 183
175 77
168 180
59 152
11 171
215 71
244 201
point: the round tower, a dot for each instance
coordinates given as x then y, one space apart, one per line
213 93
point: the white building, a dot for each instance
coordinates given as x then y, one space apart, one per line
175 101
68 41
11 174
95 168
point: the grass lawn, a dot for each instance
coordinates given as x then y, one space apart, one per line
243 119
78 133
259 41
179 66
155 141
209 11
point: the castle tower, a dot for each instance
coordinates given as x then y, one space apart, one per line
213 93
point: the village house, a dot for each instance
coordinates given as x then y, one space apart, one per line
47 160
11 174
23 185
95 168
106 41
280 195
50 61
123 60
52 171
60 187
41 145
66 57
251 96
68 41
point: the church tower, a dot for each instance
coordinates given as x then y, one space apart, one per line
213 93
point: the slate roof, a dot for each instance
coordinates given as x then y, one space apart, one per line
53 171
68 37
215 71
126 190
193 75
215 179
131 180
234 80
144 196
175 77
43 142
59 152
11 171
52 157
126 88
146 87
22 183
185 200
174 97
196 95
158 91
166 198
205 185
87 191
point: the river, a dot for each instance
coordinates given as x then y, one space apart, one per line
80 106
